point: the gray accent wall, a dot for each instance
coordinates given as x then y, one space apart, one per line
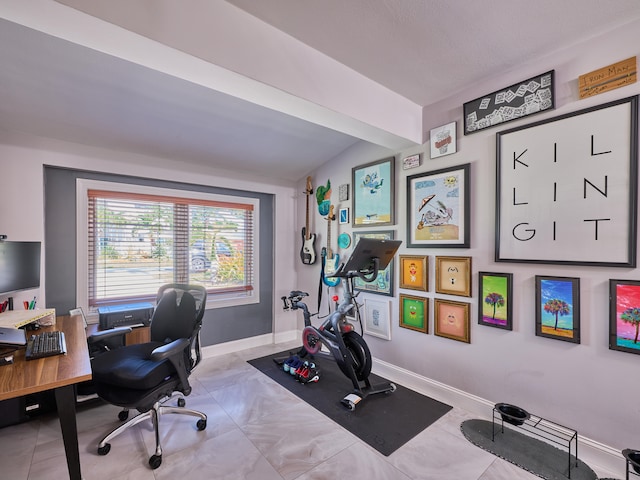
220 324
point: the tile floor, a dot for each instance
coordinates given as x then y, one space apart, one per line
256 430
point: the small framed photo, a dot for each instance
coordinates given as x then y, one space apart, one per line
443 140
343 216
624 315
451 320
495 293
414 272
412 161
558 308
377 315
453 276
414 313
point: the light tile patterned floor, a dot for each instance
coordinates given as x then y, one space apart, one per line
256 430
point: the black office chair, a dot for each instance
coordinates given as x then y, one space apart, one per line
144 376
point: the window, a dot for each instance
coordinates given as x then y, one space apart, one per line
137 242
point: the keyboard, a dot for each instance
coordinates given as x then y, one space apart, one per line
45 344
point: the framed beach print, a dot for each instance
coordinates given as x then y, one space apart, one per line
443 140
451 320
414 272
624 315
383 284
566 188
495 293
377 315
414 313
438 208
558 308
374 193
453 275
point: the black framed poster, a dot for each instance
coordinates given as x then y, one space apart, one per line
534 95
566 188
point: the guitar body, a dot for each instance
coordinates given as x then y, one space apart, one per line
329 267
308 250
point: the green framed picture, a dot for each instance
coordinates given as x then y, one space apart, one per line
495 292
414 313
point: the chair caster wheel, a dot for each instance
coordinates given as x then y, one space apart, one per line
201 425
104 450
181 402
393 387
155 461
123 415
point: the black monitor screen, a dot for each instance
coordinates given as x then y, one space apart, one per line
367 249
19 266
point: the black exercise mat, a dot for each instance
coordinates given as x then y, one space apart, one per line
385 421
531 454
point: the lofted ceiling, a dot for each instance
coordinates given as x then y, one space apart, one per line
58 81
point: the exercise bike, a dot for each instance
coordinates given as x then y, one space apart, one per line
343 343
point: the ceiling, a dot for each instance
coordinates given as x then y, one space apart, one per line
58 86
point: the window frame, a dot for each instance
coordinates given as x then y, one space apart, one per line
214 300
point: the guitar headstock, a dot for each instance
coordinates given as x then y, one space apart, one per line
309 189
331 215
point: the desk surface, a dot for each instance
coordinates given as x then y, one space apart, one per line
25 377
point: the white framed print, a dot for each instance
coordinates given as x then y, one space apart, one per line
377 315
443 140
343 216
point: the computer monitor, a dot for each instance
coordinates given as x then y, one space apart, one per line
368 249
19 266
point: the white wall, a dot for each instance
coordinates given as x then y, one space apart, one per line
21 197
586 386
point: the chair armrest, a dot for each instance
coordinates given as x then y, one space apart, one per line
103 335
170 349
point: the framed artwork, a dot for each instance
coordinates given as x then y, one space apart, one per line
566 188
377 314
343 216
414 313
412 161
451 320
531 96
443 140
438 208
495 293
414 272
374 193
558 308
624 315
383 284
343 192
453 275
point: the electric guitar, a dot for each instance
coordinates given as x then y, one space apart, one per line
330 262
308 250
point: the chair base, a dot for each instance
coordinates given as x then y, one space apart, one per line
154 414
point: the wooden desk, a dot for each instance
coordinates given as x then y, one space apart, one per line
59 373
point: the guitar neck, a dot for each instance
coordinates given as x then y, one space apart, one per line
307 234
329 251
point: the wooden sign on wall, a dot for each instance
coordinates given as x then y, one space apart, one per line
608 78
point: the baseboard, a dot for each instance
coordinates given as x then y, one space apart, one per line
237 345
594 454
251 342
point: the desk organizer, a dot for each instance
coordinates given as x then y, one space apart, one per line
536 426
